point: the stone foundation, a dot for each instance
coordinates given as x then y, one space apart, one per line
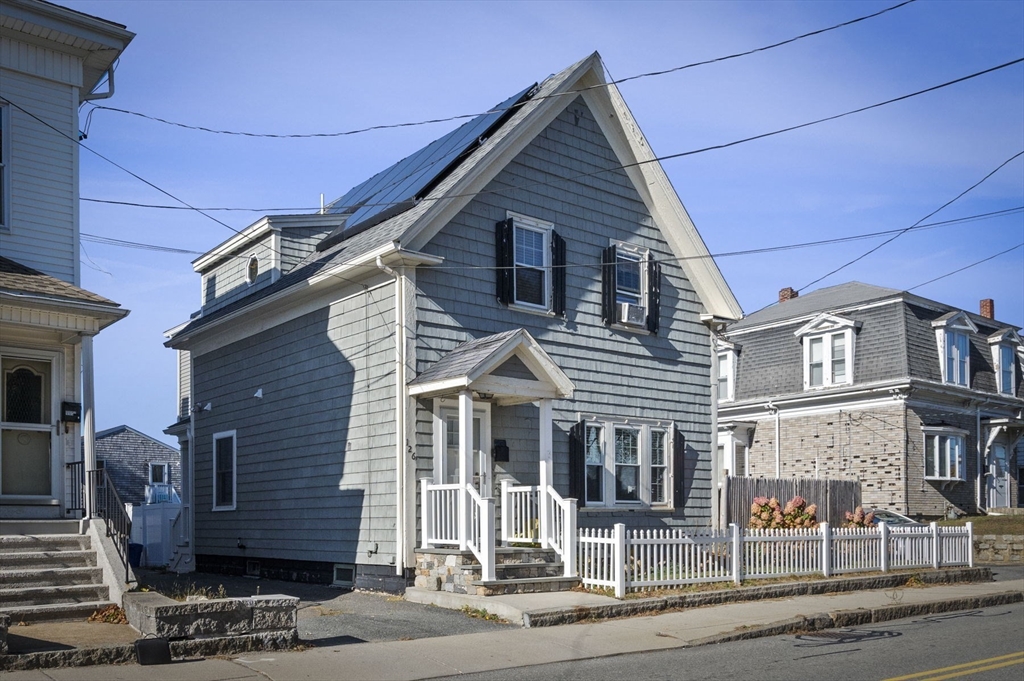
999 548
454 572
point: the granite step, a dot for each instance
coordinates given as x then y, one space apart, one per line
51 576
48 595
56 612
44 543
526 586
40 560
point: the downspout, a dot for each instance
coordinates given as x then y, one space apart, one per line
778 445
716 464
103 95
978 476
399 416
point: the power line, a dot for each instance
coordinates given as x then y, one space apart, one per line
753 251
372 128
897 235
967 267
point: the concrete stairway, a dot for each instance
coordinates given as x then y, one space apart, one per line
49 574
517 570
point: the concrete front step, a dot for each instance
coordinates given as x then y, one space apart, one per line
57 612
25 578
48 595
504 571
44 543
526 586
38 527
41 560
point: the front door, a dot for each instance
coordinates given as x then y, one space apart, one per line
998 491
26 431
481 474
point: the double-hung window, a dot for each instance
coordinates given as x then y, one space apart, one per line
1005 346
943 454
224 471
725 363
631 287
958 358
828 351
619 463
1005 368
530 259
159 473
953 337
5 144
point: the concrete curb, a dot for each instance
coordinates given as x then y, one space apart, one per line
647 606
850 618
125 654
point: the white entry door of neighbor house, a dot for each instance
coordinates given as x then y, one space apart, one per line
449 459
998 485
26 429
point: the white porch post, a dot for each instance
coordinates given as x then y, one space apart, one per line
88 424
546 472
465 464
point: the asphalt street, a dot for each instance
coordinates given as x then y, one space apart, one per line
982 645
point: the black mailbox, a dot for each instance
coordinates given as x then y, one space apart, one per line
71 412
500 451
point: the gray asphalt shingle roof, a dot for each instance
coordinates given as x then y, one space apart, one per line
822 300
18 278
464 358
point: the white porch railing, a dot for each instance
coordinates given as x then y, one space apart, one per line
481 532
440 507
558 528
623 559
520 513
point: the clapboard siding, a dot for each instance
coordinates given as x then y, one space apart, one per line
297 243
43 186
225 282
315 467
667 375
41 62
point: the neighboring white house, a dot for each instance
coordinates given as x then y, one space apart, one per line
51 60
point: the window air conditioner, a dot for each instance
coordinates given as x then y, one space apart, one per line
632 314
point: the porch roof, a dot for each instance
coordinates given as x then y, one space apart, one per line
477 365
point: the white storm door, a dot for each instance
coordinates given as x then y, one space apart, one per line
481 474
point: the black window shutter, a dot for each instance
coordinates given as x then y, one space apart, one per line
578 464
557 274
504 261
678 468
608 286
653 294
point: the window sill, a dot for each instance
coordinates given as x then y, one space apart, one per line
218 509
542 312
630 328
937 479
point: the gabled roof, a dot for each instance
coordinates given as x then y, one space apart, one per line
435 202
825 321
470 366
956 318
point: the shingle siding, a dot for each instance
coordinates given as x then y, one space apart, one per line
127 456
226 282
315 455
616 373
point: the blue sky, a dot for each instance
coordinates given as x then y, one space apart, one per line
306 67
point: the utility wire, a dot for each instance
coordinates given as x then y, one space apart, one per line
622 166
898 234
371 128
109 241
967 267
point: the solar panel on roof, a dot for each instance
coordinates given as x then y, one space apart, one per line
397 189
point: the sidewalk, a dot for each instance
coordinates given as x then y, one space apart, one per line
501 649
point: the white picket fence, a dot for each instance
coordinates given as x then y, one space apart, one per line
622 559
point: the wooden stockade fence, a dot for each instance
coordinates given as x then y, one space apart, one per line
833 497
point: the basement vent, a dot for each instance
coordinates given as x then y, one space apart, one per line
252 568
344 574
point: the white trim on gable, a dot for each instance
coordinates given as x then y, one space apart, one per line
960 321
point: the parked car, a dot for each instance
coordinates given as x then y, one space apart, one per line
891 517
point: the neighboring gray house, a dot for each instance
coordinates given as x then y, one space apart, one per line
134 460
920 401
51 60
524 303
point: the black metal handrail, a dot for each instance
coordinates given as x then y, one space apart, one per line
76 502
107 504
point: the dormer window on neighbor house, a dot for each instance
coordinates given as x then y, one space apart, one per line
1006 345
726 363
828 344
952 333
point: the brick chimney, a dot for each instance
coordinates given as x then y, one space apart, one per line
788 294
988 308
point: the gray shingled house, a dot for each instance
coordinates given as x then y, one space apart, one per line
501 337
134 460
920 401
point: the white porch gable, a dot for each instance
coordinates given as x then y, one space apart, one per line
506 368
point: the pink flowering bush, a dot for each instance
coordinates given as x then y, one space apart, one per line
859 518
770 514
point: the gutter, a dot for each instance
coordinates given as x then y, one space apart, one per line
103 95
